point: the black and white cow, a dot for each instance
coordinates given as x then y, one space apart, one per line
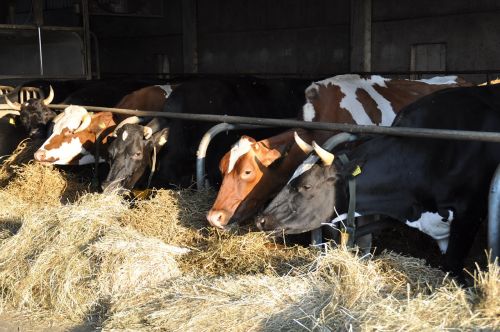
131 152
438 186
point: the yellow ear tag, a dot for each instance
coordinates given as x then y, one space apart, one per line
357 171
12 121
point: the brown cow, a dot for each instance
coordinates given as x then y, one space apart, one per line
76 130
251 171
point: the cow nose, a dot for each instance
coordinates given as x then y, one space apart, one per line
40 155
218 218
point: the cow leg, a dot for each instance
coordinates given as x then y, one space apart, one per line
462 235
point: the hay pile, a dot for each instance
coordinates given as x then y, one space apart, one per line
337 292
152 264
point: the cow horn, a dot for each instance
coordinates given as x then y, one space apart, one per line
131 120
302 144
325 156
4 113
85 123
49 99
14 105
148 132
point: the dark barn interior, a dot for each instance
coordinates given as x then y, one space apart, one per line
140 83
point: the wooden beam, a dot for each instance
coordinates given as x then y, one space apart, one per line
361 35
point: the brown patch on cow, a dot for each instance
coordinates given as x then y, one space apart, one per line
87 136
150 98
370 106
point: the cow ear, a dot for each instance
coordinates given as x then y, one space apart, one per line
160 138
352 169
269 157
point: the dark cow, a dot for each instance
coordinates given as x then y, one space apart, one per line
254 171
76 130
34 114
10 133
438 186
132 150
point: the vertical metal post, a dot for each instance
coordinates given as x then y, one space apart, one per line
40 52
494 216
86 39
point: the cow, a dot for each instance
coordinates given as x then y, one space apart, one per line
253 171
76 130
438 186
10 133
131 152
34 114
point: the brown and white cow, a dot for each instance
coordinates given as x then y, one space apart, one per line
76 130
254 171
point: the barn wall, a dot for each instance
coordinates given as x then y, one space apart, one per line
134 44
299 36
281 36
470 31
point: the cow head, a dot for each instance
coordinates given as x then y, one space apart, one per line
74 134
34 114
305 202
132 151
249 179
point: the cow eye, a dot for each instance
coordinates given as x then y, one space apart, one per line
137 155
246 174
306 186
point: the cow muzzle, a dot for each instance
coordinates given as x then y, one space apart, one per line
41 157
266 223
218 218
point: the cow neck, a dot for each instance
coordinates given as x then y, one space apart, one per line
350 225
379 190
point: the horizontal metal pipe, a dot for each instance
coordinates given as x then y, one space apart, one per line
309 75
327 126
34 27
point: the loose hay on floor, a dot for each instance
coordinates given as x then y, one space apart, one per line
338 292
101 257
22 155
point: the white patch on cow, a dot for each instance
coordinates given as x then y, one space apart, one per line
71 118
167 88
308 112
440 80
305 166
436 226
349 84
87 159
239 149
343 217
124 135
65 153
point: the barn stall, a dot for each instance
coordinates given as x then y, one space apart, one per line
72 257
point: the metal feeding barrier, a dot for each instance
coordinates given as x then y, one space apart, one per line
227 122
